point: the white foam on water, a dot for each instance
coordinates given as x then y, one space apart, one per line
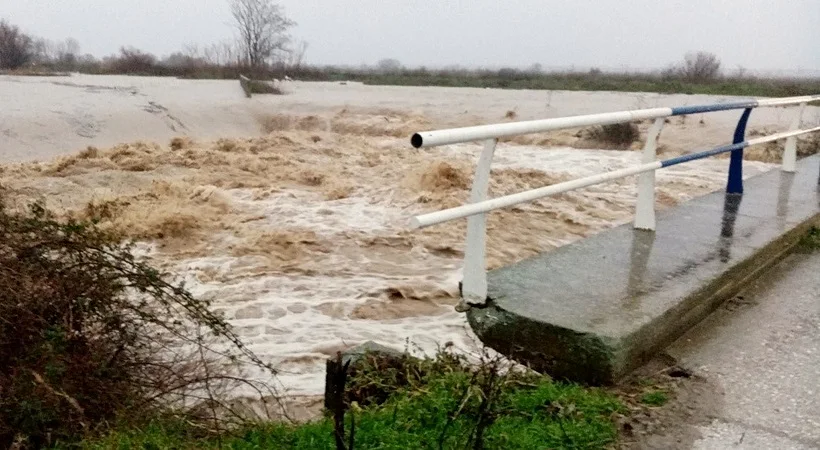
281 318
302 209
296 321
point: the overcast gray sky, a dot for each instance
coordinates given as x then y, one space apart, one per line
757 34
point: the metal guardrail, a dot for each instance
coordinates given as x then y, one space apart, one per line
474 284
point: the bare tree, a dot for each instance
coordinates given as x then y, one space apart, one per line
41 51
66 53
182 60
190 58
16 47
700 66
297 54
263 30
132 60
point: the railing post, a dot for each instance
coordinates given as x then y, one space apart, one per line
474 286
645 207
735 184
790 150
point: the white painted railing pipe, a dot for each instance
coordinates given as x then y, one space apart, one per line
460 212
501 130
468 210
788 100
482 132
783 135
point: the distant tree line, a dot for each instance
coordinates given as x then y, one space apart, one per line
263 48
262 45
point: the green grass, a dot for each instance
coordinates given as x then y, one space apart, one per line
263 87
811 242
655 398
532 412
588 82
507 79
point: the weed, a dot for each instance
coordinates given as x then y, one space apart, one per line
407 403
811 241
655 398
621 134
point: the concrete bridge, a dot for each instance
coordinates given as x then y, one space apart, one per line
595 310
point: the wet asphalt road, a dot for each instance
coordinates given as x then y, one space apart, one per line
762 352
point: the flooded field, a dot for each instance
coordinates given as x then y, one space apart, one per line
290 213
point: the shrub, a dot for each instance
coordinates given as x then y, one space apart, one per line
700 67
812 240
91 336
134 61
622 134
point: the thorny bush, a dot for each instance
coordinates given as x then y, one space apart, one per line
90 336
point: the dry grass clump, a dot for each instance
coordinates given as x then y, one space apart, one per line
620 134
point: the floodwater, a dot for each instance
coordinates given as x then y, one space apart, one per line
291 213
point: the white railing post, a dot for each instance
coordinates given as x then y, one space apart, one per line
474 285
790 150
645 207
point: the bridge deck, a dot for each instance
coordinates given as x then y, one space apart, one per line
594 310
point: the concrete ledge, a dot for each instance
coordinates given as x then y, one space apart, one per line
595 310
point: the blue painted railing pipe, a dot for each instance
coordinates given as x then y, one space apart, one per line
735 183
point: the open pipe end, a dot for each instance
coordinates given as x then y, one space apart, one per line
416 140
415 224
